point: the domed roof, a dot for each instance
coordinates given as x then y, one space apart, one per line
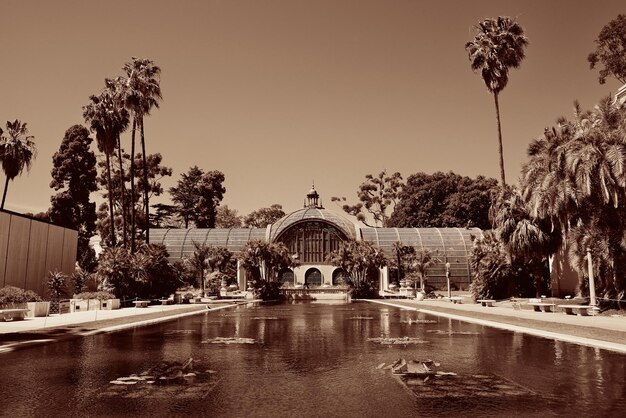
311 214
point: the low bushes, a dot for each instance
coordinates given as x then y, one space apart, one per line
12 295
95 295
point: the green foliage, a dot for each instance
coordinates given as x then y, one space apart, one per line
611 50
56 283
197 196
269 290
494 276
267 258
359 259
17 151
227 218
575 183
79 280
422 261
263 217
14 295
444 200
377 195
145 274
498 45
95 295
74 170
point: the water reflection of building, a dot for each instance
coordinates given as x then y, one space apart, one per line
313 232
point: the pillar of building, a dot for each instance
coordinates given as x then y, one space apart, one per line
384 279
242 281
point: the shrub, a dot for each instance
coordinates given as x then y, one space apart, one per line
95 295
56 283
15 295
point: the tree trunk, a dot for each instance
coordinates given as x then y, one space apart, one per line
122 192
500 150
110 193
146 186
4 194
132 188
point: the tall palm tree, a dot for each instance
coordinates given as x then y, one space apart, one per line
106 119
142 94
17 151
498 46
116 87
423 260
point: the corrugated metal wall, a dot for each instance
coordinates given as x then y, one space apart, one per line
29 249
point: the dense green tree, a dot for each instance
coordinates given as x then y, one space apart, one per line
268 258
74 173
402 259
263 217
377 195
581 191
163 216
498 45
17 151
142 93
156 172
423 260
227 218
444 200
359 259
197 195
611 50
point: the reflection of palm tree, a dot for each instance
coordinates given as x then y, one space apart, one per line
17 151
498 46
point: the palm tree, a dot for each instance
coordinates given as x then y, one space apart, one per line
199 261
423 260
106 120
498 46
142 93
17 151
116 88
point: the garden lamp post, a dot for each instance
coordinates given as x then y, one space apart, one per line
592 283
448 279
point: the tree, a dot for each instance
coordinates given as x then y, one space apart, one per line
422 261
263 217
199 262
403 255
142 94
581 188
156 171
498 45
107 120
17 151
358 259
267 258
611 51
377 195
227 218
197 195
74 169
444 200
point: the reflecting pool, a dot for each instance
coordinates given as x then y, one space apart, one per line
311 360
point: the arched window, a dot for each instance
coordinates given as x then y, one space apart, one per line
312 241
313 277
285 276
339 277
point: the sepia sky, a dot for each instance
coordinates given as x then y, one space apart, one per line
276 93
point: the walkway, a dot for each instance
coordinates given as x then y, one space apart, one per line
605 332
32 331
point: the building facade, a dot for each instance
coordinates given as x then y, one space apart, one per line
313 232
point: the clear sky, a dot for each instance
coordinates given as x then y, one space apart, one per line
276 93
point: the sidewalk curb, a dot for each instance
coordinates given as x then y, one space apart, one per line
589 342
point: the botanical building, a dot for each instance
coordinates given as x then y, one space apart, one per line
312 232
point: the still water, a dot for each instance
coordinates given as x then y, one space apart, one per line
312 360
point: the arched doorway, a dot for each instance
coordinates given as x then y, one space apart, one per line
313 277
286 276
339 277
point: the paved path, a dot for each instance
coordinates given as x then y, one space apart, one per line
32 331
597 331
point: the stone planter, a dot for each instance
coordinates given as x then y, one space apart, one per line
79 305
37 309
110 304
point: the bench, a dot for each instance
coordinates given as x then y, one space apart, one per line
486 302
581 310
456 299
13 314
141 303
542 306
